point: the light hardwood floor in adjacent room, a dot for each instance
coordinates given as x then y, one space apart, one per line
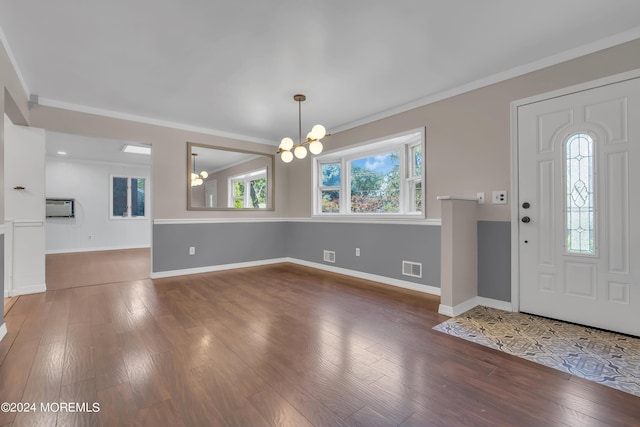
279 345
95 268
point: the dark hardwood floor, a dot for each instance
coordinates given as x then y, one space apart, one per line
279 345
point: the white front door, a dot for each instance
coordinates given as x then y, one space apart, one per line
579 207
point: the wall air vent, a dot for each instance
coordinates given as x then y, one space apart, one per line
413 269
329 256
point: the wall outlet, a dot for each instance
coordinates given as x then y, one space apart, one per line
192 250
500 197
357 251
480 198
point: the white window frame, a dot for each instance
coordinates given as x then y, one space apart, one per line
146 197
401 143
246 177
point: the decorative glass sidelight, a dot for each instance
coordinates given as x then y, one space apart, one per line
580 195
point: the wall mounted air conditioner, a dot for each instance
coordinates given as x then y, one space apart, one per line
60 208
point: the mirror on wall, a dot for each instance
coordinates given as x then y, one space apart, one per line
221 178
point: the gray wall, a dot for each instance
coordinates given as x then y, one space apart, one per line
216 244
494 260
382 247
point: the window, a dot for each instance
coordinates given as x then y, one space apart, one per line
128 197
248 190
380 178
579 195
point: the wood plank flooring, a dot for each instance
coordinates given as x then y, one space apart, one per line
69 270
279 345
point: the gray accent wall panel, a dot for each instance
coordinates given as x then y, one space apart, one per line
494 260
383 247
216 244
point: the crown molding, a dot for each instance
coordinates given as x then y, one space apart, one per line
549 61
14 63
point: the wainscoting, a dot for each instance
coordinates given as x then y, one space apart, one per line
383 247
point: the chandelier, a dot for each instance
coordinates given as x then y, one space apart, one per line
288 149
197 179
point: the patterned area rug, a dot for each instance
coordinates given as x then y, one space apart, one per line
603 357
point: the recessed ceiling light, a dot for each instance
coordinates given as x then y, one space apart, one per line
62 153
136 149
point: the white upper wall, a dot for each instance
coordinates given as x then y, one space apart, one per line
92 229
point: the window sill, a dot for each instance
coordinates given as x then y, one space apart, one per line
376 219
127 218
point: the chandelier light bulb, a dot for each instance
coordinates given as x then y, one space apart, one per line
286 144
204 174
286 156
194 176
315 147
300 152
319 131
311 136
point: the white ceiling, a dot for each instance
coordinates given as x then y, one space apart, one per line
233 66
94 149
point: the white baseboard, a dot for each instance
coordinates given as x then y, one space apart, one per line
209 269
3 330
495 303
457 310
35 289
427 289
96 249
433 290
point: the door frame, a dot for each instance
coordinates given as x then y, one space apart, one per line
515 173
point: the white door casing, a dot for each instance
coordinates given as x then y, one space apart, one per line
25 208
601 285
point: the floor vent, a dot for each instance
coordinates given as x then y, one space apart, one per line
413 269
329 256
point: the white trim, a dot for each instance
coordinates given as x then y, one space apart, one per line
467 199
47 102
3 330
3 228
336 219
432 290
457 310
14 63
209 269
28 223
495 303
549 61
53 157
214 220
427 289
350 219
515 217
129 215
34 289
96 249
604 81
395 143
